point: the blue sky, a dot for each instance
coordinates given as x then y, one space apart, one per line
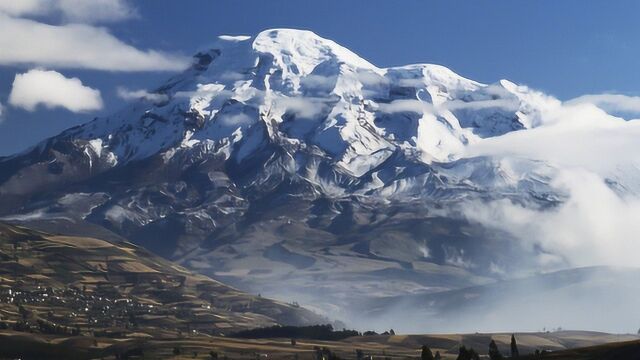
565 48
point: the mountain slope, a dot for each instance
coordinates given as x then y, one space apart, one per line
286 164
98 286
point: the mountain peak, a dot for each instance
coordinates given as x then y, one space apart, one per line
274 156
306 48
313 99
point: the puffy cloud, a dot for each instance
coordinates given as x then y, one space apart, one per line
71 10
51 89
27 41
155 98
597 167
581 136
594 226
613 103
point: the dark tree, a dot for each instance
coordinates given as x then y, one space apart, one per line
494 353
437 356
467 354
426 353
514 347
213 355
474 355
391 332
463 353
359 354
23 312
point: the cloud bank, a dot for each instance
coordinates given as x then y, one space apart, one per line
93 11
613 103
76 46
51 89
74 43
597 169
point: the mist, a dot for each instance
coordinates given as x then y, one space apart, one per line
585 247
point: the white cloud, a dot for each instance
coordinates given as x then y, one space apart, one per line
86 11
51 89
613 103
421 107
155 98
572 136
319 81
96 10
417 83
597 169
26 41
305 107
595 226
25 7
415 106
509 104
240 119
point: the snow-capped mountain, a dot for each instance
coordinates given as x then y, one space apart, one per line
285 157
306 95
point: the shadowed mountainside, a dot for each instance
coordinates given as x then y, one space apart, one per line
54 283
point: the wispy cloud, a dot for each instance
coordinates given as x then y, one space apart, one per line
305 107
418 106
398 106
613 103
508 104
240 119
319 81
52 89
141 94
84 11
27 41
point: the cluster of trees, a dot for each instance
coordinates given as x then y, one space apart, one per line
465 353
428 355
372 333
317 332
48 327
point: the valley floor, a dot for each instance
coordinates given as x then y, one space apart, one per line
37 346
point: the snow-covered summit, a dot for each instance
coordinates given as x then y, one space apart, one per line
311 92
290 105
